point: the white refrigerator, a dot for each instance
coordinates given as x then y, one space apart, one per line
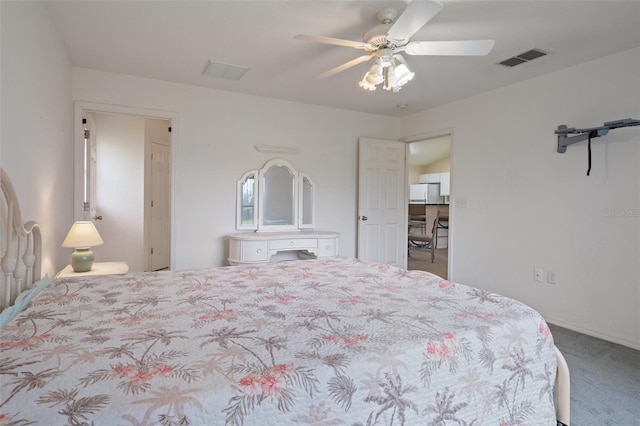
428 193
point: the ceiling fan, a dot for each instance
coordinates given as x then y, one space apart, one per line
386 41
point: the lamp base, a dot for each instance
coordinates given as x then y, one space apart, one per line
82 260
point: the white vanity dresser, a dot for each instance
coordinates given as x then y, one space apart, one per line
259 247
275 209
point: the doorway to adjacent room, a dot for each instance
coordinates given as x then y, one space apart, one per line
429 178
123 183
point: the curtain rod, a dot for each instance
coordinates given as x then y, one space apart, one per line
583 134
565 140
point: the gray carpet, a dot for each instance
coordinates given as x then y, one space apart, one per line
605 379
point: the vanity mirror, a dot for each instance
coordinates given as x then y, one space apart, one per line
278 202
275 198
247 214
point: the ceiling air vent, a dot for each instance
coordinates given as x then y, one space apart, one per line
228 71
527 56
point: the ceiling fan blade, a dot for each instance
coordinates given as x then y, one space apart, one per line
450 48
335 41
418 13
346 65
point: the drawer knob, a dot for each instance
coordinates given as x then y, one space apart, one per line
291 243
327 247
259 251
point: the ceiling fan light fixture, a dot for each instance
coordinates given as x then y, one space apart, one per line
374 79
365 84
392 76
385 58
375 75
403 74
390 82
393 36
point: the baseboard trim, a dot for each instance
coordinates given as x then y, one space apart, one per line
594 333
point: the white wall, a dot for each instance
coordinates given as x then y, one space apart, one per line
529 206
36 135
441 166
213 145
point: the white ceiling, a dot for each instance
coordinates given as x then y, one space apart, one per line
173 40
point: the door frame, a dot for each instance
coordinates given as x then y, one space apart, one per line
432 135
82 107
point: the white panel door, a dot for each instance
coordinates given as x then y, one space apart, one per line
160 227
90 210
120 188
382 204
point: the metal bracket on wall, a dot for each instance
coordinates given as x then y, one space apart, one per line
565 140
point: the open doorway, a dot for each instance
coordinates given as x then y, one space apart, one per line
129 191
429 177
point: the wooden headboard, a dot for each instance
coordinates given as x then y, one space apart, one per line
20 247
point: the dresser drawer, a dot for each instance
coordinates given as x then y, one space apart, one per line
293 244
327 247
256 247
255 251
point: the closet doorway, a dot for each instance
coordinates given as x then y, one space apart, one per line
123 184
429 177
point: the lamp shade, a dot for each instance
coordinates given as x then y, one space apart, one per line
82 234
403 75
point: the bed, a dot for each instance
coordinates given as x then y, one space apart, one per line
315 342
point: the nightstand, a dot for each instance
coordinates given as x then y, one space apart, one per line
99 268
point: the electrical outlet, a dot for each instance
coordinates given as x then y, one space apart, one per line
461 203
537 274
551 277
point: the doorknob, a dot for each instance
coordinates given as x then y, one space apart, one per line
97 217
364 218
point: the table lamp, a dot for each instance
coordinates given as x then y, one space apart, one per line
81 237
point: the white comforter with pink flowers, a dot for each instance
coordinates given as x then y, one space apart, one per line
310 342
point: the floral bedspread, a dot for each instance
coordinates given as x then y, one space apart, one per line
309 342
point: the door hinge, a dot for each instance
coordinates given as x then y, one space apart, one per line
86 207
169 128
151 250
87 134
151 203
84 121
